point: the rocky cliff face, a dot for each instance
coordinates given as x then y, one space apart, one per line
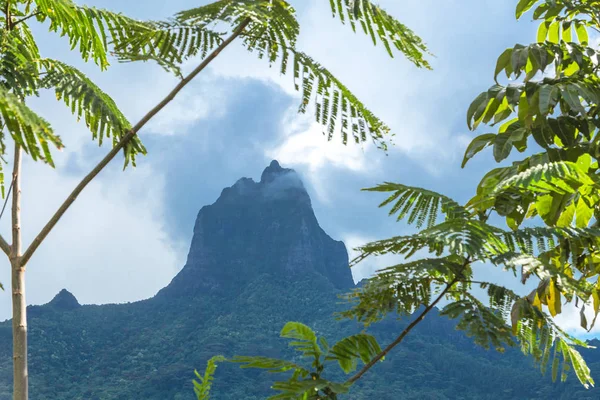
256 228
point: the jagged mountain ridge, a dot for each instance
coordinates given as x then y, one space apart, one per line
258 258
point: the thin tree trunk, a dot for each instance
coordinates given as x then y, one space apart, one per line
19 321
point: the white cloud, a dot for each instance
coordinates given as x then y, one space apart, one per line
570 321
109 247
394 89
303 145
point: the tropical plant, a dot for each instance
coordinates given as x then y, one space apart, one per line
305 382
554 98
266 27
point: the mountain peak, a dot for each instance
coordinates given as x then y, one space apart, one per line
64 301
260 228
273 171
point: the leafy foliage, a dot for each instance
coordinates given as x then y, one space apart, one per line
31 131
203 384
420 205
24 72
306 383
271 33
85 99
555 103
87 28
379 25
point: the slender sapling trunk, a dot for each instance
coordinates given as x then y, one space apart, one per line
19 305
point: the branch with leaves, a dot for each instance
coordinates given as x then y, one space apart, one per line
270 28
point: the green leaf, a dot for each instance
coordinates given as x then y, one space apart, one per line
502 62
379 25
566 32
571 95
86 100
203 385
542 32
523 6
29 130
477 107
271 364
87 28
352 348
477 144
502 146
486 327
548 98
553 30
581 31
566 216
305 339
419 205
583 213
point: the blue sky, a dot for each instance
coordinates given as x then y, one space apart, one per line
129 232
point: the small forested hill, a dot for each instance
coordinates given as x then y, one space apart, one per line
258 258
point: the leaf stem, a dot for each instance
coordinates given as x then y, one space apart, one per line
399 339
409 328
26 18
88 178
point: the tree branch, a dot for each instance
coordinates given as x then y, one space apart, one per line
4 246
399 339
89 177
407 330
26 18
8 16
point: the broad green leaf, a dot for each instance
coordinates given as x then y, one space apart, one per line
553 30
523 6
566 32
542 32
582 34
478 106
571 95
523 108
566 216
502 62
548 95
583 214
477 144
502 146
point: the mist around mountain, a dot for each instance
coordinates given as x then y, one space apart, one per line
258 259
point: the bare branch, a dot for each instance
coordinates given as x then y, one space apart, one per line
4 246
89 177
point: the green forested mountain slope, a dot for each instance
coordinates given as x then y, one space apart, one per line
258 259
